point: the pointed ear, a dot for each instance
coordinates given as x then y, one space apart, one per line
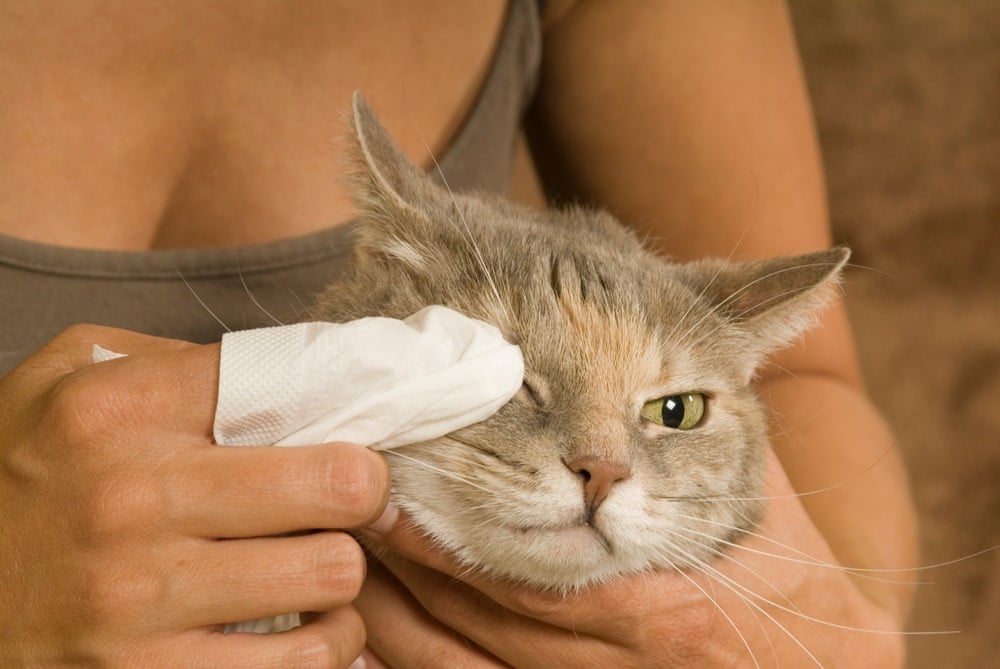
392 195
382 172
769 302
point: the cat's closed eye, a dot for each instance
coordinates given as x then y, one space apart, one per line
535 391
679 412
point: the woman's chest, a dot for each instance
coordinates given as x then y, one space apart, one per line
150 125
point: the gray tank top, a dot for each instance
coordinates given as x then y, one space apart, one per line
195 294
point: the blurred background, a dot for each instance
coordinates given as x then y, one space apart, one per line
907 99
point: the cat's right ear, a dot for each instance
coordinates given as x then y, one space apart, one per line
390 192
384 182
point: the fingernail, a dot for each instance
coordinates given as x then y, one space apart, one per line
358 663
386 521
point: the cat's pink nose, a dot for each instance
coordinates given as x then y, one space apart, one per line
598 477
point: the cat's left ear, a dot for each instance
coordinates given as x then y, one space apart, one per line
769 302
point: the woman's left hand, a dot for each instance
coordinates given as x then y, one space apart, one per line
777 593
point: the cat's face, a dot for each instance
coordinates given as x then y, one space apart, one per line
636 441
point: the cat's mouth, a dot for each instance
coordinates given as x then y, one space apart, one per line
581 535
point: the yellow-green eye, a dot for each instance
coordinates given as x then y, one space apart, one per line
681 412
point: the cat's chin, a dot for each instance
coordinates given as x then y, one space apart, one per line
571 542
562 559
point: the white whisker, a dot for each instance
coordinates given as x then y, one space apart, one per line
727 583
729 619
735 294
477 252
451 475
804 559
253 299
796 611
861 573
729 497
201 301
705 288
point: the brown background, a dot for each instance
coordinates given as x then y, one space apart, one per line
907 98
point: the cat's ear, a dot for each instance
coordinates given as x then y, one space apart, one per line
383 175
391 194
769 302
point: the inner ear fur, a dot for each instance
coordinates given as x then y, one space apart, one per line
773 300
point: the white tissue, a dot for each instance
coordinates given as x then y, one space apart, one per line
378 382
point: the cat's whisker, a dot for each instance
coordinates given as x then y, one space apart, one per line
729 619
701 565
797 612
450 475
866 572
256 303
201 301
477 252
705 288
811 562
775 298
721 579
732 496
722 304
726 582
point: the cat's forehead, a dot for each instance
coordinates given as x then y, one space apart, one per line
615 323
574 288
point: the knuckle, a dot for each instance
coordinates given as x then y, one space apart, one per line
350 479
80 333
311 651
81 407
116 596
327 646
339 566
694 633
120 503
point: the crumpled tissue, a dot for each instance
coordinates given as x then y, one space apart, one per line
378 382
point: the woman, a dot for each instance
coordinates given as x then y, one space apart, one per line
149 145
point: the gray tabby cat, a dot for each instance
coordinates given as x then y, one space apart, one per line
636 441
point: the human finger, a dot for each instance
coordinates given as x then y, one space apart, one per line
279 490
332 639
232 581
405 636
514 638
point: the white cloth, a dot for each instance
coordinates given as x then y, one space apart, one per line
377 382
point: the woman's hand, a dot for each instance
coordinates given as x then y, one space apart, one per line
776 597
129 538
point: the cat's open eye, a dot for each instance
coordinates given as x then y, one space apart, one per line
680 412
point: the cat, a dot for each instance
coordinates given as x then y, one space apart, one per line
636 441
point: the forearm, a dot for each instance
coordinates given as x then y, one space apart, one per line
841 457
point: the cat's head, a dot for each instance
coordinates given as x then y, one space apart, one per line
636 441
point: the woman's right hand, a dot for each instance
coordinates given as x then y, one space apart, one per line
129 538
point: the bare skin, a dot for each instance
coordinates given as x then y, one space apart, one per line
150 125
